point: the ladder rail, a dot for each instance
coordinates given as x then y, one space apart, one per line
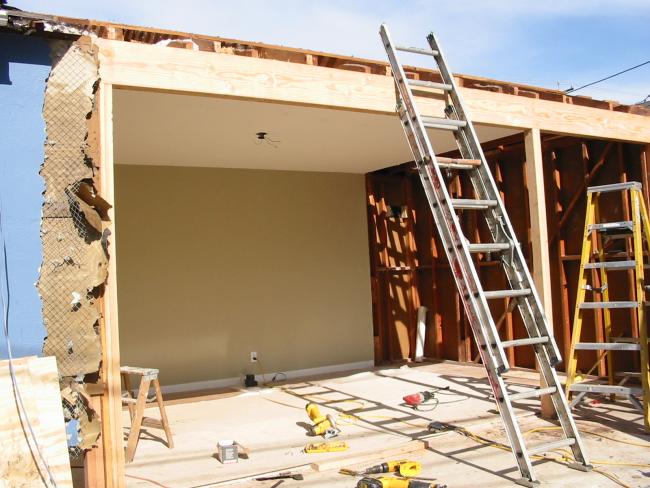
640 219
483 182
455 245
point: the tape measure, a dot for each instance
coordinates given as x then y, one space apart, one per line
317 447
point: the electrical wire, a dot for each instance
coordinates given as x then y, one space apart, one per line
5 298
565 456
573 90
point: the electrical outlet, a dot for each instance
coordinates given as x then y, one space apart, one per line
253 357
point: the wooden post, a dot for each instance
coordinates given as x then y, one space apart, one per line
539 235
112 436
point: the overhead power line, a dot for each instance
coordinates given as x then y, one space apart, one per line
571 90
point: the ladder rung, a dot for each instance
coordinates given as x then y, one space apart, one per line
604 227
495 294
615 187
622 304
440 123
611 265
430 84
607 389
417 50
607 346
535 392
454 163
461 203
528 341
550 446
133 401
489 247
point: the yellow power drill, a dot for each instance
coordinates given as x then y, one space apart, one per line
386 482
408 469
324 425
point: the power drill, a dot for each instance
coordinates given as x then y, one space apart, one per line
386 482
404 468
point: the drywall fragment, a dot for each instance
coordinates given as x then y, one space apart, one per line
95 265
89 214
87 193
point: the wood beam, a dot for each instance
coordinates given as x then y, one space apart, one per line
539 235
112 435
196 72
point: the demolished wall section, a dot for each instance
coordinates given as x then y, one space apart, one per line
75 260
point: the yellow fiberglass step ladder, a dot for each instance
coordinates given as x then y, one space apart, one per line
595 233
459 252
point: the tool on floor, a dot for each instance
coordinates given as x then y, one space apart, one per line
282 476
407 469
503 248
319 447
148 378
596 235
387 482
324 425
417 399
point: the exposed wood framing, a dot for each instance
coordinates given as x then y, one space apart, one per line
154 67
569 165
112 435
538 226
539 236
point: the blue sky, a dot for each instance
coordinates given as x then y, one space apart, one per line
539 42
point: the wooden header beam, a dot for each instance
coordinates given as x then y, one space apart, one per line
153 67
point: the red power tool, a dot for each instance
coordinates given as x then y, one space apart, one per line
416 399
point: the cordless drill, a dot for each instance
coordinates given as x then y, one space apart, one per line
403 467
386 482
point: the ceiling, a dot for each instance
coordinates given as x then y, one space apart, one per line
171 129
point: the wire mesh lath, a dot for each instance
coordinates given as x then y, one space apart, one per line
70 310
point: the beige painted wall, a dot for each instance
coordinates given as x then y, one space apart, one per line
215 263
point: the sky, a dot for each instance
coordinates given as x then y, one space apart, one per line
549 43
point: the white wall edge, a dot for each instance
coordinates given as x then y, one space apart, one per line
238 380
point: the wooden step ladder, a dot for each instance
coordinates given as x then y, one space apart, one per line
595 233
136 405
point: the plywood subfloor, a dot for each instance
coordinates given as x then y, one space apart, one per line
270 423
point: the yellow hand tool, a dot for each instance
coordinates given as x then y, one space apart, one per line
386 482
326 447
324 425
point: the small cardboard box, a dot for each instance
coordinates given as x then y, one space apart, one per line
227 452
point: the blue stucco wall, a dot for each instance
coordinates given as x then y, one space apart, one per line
24 67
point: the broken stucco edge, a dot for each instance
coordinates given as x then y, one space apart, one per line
75 261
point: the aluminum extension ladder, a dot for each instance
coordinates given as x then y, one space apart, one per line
595 232
459 251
